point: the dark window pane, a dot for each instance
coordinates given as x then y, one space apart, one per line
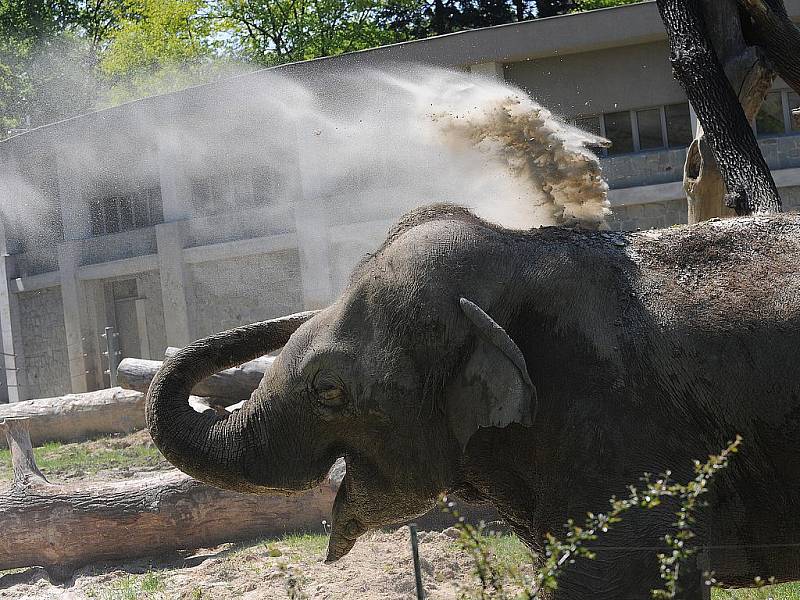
201 195
140 210
96 216
769 120
590 124
124 288
126 213
679 125
649 129
111 214
618 130
156 205
794 103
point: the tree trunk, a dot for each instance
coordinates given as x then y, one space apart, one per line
751 79
62 527
224 388
744 172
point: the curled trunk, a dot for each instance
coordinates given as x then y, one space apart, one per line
204 445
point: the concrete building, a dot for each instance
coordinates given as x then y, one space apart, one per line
175 230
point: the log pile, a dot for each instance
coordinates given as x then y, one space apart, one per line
61 527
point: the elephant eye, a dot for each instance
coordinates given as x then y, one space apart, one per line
332 397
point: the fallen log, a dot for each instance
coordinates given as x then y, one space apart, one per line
62 527
79 416
224 388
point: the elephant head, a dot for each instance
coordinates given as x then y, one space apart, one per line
395 376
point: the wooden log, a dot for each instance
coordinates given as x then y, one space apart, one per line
79 416
62 527
224 388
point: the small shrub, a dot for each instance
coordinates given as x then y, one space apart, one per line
501 582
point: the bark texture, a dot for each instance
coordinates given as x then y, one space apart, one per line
751 79
61 527
744 172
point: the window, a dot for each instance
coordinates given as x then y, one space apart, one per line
793 99
679 125
122 213
650 130
769 120
202 196
619 131
590 124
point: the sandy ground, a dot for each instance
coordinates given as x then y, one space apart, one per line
379 567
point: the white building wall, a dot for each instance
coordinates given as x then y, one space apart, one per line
44 343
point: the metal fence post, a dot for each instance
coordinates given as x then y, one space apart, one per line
112 354
415 552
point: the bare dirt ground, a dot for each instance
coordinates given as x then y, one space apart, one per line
379 567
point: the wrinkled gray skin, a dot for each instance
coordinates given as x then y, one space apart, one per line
619 354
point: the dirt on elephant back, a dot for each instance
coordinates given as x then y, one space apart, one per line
379 567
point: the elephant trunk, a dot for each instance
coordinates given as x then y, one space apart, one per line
208 447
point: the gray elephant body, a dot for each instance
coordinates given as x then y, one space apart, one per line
541 371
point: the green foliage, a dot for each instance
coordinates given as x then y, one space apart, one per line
502 582
132 587
582 5
158 46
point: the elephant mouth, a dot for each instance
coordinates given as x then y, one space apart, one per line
367 499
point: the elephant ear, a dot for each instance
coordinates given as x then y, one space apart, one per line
493 389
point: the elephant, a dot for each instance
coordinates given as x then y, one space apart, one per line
539 371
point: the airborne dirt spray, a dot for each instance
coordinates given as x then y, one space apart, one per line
359 145
418 135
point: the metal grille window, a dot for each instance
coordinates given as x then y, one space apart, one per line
112 214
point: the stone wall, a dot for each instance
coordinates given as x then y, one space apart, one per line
44 343
648 216
228 293
791 198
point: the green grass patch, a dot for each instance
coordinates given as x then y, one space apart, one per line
131 587
787 591
59 460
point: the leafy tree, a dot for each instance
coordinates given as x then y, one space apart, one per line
290 30
157 46
582 5
549 8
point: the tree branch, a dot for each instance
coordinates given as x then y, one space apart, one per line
775 33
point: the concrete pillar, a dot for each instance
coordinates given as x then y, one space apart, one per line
311 219
491 70
75 215
71 294
176 189
169 237
11 334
